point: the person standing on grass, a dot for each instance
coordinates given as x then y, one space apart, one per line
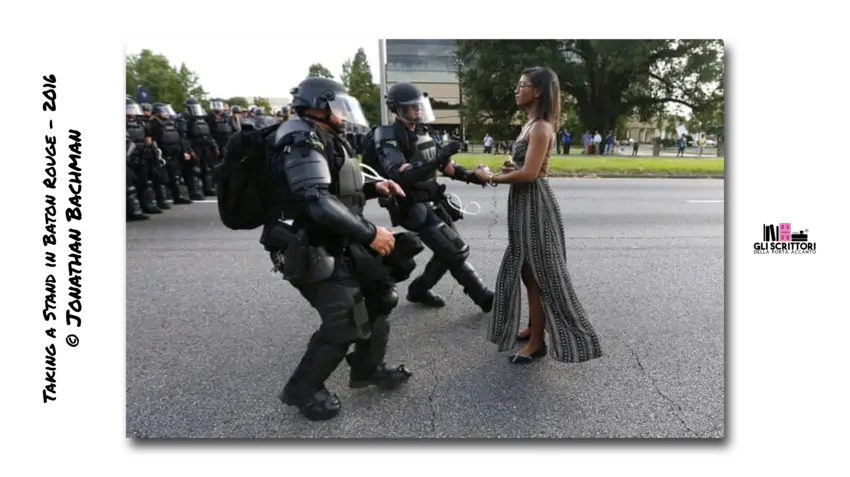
568 139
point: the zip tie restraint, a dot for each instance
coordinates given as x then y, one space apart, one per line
370 173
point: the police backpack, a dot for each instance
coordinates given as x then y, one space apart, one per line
240 179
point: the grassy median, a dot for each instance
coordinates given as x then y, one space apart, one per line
601 165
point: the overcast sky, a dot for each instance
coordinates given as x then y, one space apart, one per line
257 67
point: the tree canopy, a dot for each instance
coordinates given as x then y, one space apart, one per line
357 78
602 81
166 84
317 69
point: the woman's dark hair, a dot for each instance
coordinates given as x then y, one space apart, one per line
549 103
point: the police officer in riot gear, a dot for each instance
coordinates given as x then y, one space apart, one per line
142 160
205 152
407 154
174 150
235 118
219 123
340 262
134 209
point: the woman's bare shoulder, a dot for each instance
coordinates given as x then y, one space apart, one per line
541 130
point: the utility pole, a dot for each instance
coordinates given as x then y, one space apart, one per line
382 64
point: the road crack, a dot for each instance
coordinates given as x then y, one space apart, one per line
661 393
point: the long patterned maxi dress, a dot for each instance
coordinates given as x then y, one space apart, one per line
536 236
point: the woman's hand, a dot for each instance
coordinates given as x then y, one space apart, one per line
389 188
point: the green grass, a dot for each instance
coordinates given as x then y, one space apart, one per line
583 165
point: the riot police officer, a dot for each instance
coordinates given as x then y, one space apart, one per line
174 151
337 259
205 152
134 209
407 154
219 124
142 159
235 118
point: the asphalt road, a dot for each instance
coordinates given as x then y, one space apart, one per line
212 334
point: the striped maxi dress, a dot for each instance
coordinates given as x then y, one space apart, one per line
536 236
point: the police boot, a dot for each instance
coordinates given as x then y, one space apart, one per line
195 189
177 195
381 376
148 200
419 290
473 286
134 209
306 389
209 186
161 197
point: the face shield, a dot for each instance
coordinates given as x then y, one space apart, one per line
417 111
170 110
348 109
134 110
195 109
217 105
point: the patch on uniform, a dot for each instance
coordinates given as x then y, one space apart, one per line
316 142
391 142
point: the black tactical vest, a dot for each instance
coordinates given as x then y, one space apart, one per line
137 132
348 185
198 129
170 134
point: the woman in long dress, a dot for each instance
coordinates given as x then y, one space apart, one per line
536 253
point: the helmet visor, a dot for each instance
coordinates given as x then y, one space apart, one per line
417 111
348 109
134 110
217 105
195 109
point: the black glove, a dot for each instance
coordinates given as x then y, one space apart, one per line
447 151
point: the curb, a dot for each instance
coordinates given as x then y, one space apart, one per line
633 176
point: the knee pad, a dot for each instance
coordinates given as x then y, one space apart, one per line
386 304
344 316
446 244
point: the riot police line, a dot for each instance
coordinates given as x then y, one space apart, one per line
301 183
168 152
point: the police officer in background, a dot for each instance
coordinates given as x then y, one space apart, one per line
407 154
134 209
219 124
235 118
317 183
174 151
204 152
247 120
282 114
142 159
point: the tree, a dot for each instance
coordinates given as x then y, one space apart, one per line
606 79
357 78
263 103
316 69
165 83
238 101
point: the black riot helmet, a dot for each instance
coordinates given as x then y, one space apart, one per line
161 110
133 109
235 110
327 95
409 104
193 107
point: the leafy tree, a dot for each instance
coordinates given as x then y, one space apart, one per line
357 78
606 79
316 69
238 101
263 103
165 83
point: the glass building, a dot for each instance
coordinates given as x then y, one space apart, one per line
431 66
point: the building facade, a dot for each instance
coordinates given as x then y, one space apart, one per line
431 66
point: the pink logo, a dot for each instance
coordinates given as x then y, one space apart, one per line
785 232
